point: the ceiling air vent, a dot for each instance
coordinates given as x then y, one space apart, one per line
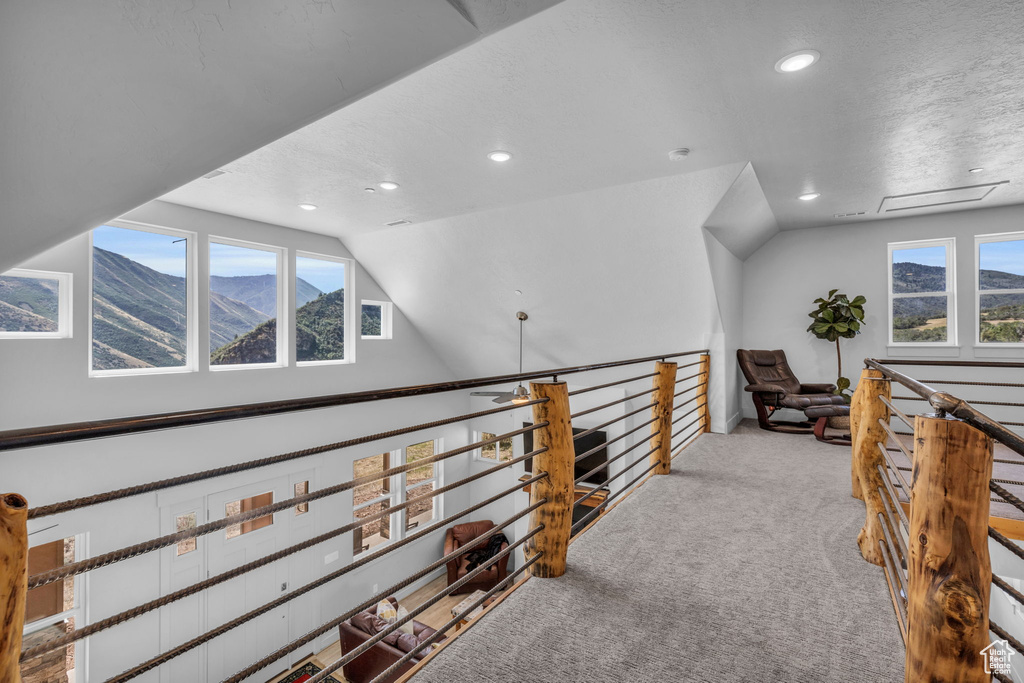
393 224
214 174
925 200
848 215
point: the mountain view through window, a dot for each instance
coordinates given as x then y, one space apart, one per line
29 304
139 299
921 273
1001 285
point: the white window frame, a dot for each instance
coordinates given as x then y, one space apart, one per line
385 319
64 321
191 301
78 611
350 316
283 317
436 480
950 291
400 494
978 292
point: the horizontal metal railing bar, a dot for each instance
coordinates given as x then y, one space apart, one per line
1013 385
603 485
1008 589
394 626
895 551
895 499
1006 496
388 673
77 431
610 404
607 501
897 412
999 631
683 429
620 418
954 363
695 386
892 465
688 365
127 615
689 401
678 447
608 443
607 463
890 581
1006 543
577 392
689 412
277 602
129 552
956 407
86 501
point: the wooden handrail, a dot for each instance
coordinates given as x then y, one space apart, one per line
79 431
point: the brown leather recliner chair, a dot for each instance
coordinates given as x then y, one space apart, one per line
458 536
382 655
774 386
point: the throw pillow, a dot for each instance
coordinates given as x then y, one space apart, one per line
387 612
407 626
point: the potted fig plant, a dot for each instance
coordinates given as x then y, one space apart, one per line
838 317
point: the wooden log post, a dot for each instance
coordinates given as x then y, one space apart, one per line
866 457
948 572
13 582
705 412
558 486
661 428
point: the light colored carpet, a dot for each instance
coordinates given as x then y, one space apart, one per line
742 565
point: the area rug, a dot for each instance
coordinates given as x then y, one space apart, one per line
303 671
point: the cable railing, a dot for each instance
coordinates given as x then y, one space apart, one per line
930 519
559 478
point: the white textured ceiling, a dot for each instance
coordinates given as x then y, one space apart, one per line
593 93
108 104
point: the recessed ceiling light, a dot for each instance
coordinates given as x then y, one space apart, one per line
402 221
388 185
809 196
976 170
499 155
307 207
369 189
679 154
797 61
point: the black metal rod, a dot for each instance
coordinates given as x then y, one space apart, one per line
600 508
611 384
595 449
78 431
683 429
678 449
695 386
896 598
607 463
897 412
689 412
610 404
588 432
895 500
952 363
688 401
1006 496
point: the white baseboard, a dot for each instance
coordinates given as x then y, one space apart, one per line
731 423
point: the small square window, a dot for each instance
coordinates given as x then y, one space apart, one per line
35 304
245 505
500 451
53 598
376 320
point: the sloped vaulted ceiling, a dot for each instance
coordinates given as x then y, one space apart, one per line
109 104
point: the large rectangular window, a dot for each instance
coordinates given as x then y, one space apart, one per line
51 611
420 481
320 308
140 300
245 304
369 499
922 294
1000 290
35 304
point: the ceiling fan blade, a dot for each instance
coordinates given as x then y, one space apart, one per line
487 393
504 398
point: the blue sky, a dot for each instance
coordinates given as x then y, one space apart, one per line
926 256
227 260
1007 257
159 252
326 276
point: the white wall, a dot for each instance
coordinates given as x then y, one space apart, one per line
727 274
782 279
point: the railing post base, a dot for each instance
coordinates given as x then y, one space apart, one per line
13 583
558 460
866 433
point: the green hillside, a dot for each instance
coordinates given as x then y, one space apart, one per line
260 291
319 335
32 304
371 321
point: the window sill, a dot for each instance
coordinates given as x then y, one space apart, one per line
923 351
999 351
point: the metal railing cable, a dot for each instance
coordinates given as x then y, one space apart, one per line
205 584
597 448
129 552
607 501
893 497
616 402
588 432
65 433
391 628
973 401
606 463
577 392
434 637
957 407
889 525
688 365
678 449
691 411
86 501
896 411
890 581
1006 496
999 631
1008 589
696 386
604 484
683 429
1006 543
896 522
687 402
897 570
892 466
252 614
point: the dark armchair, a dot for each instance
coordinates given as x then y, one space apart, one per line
383 654
458 536
774 386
